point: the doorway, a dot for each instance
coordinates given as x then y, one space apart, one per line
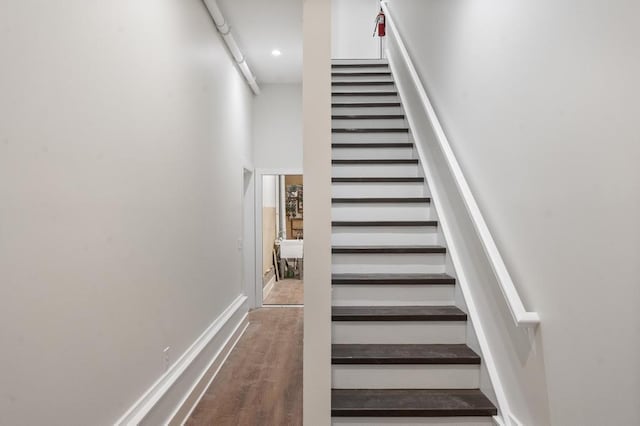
282 235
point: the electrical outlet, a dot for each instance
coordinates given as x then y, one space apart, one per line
239 243
166 358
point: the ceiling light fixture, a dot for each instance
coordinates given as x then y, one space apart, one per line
276 52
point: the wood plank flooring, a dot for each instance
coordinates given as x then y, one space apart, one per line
286 292
261 382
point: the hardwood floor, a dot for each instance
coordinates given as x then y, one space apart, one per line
286 292
261 381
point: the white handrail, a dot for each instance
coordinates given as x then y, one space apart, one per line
521 316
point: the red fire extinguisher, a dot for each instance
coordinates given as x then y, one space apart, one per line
380 25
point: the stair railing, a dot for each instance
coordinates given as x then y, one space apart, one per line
521 316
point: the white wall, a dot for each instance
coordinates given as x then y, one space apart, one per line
277 131
352 23
124 127
539 100
269 190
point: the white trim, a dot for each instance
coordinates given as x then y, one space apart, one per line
147 402
258 174
513 421
248 209
497 420
227 349
521 316
267 288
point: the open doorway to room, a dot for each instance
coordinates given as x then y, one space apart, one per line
282 240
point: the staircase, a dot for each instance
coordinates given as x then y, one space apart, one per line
399 353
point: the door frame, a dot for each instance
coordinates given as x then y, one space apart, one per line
247 239
258 175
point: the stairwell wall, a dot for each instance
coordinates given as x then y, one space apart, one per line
539 102
124 128
352 23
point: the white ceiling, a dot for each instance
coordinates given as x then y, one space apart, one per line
259 26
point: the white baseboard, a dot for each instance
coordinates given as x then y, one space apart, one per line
268 287
184 410
176 392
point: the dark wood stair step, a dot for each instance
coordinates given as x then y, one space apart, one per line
361 74
410 403
398 354
364 94
368 117
365 104
381 200
385 223
373 145
397 313
373 130
377 161
377 179
388 250
392 279
363 83
361 65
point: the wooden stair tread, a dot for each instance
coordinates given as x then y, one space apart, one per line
363 83
407 179
373 145
381 200
387 93
361 65
389 223
379 354
364 104
410 403
368 117
397 313
432 249
377 161
385 279
372 130
360 73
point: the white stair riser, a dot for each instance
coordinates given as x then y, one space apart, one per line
383 67
388 263
357 62
407 211
451 376
371 153
375 170
358 78
412 421
358 189
363 87
393 295
365 110
370 137
400 332
365 69
392 236
368 123
363 98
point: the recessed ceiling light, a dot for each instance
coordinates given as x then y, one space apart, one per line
276 52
